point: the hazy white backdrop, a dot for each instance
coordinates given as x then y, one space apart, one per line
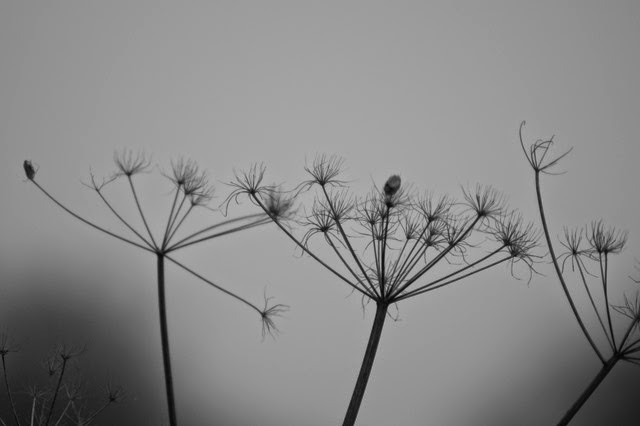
434 91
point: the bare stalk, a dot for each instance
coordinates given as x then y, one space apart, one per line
367 363
164 333
604 371
144 220
554 259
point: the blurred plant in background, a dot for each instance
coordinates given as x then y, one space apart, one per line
391 244
588 251
64 399
191 191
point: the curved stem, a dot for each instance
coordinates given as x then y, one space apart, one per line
559 272
367 363
164 333
604 371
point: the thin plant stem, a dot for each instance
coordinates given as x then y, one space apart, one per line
415 292
604 371
606 295
306 250
383 261
33 409
164 333
219 234
593 304
98 411
6 383
392 274
559 271
211 283
209 228
175 228
108 204
55 394
66 407
172 226
165 240
93 225
346 264
367 364
440 256
344 237
456 272
626 335
144 220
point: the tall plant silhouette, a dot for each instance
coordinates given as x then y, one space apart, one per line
390 245
588 250
191 191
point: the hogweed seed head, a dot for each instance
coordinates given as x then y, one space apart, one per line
325 170
484 200
278 204
248 183
130 163
268 314
606 240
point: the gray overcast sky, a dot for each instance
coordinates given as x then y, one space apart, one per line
432 91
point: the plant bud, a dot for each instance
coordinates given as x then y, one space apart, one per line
28 169
392 185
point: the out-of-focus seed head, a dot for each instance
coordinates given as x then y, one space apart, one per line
278 204
7 344
606 240
28 169
130 163
392 185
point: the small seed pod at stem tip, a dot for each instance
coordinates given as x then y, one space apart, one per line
29 170
392 185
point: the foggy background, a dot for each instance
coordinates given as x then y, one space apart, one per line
432 91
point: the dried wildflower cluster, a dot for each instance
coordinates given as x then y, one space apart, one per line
64 400
392 243
387 243
588 250
191 190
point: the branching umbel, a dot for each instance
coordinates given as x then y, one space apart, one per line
588 251
391 244
191 190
